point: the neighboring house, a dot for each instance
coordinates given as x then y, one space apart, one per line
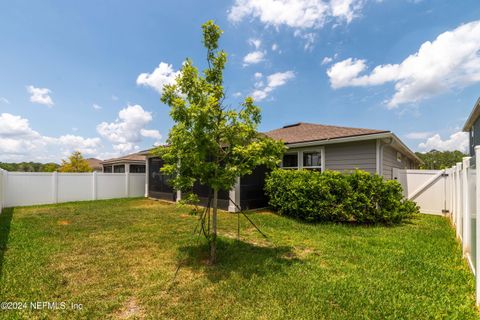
134 163
472 126
95 164
309 146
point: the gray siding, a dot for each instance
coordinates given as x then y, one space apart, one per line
390 162
351 155
474 136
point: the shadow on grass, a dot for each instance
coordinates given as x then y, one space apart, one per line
239 258
5 219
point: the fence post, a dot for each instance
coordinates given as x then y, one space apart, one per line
147 175
55 186
2 190
466 207
454 195
127 180
459 200
94 185
477 225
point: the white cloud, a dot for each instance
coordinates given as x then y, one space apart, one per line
148 133
274 47
114 97
345 9
273 81
309 38
19 142
237 94
162 75
253 58
4 100
451 61
344 73
255 42
327 60
298 14
70 143
418 135
128 129
40 96
96 106
258 75
456 141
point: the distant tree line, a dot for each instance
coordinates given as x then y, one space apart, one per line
29 166
435 160
74 163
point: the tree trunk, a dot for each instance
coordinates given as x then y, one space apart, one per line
213 240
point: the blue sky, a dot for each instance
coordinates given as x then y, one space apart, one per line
71 72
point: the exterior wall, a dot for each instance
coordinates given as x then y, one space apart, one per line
390 161
474 136
351 155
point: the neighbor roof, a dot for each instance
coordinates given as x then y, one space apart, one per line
473 116
134 157
305 132
94 163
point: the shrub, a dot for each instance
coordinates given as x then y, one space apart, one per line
332 196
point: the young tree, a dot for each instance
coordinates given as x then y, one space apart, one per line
209 142
75 163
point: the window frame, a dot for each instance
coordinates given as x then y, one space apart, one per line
290 153
300 152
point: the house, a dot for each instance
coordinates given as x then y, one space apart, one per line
95 164
472 126
134 163
309 146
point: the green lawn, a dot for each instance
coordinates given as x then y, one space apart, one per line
118 259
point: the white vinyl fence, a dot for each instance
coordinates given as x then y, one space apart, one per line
32 188
451 192
428 188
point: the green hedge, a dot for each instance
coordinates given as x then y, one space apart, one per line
333 196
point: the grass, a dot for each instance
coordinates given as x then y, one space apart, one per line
118 259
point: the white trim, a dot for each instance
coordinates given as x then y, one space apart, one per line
378 159
235 196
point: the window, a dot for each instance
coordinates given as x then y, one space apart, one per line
137 168
290 160
399 157
119 168
312 160
107 169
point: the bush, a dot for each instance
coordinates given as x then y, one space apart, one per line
332 196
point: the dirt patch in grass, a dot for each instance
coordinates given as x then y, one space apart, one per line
131 309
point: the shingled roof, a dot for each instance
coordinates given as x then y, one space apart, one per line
305 132
134 157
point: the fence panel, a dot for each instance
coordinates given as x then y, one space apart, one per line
31 188
428 188
74 187
111 185
137 185
2 190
